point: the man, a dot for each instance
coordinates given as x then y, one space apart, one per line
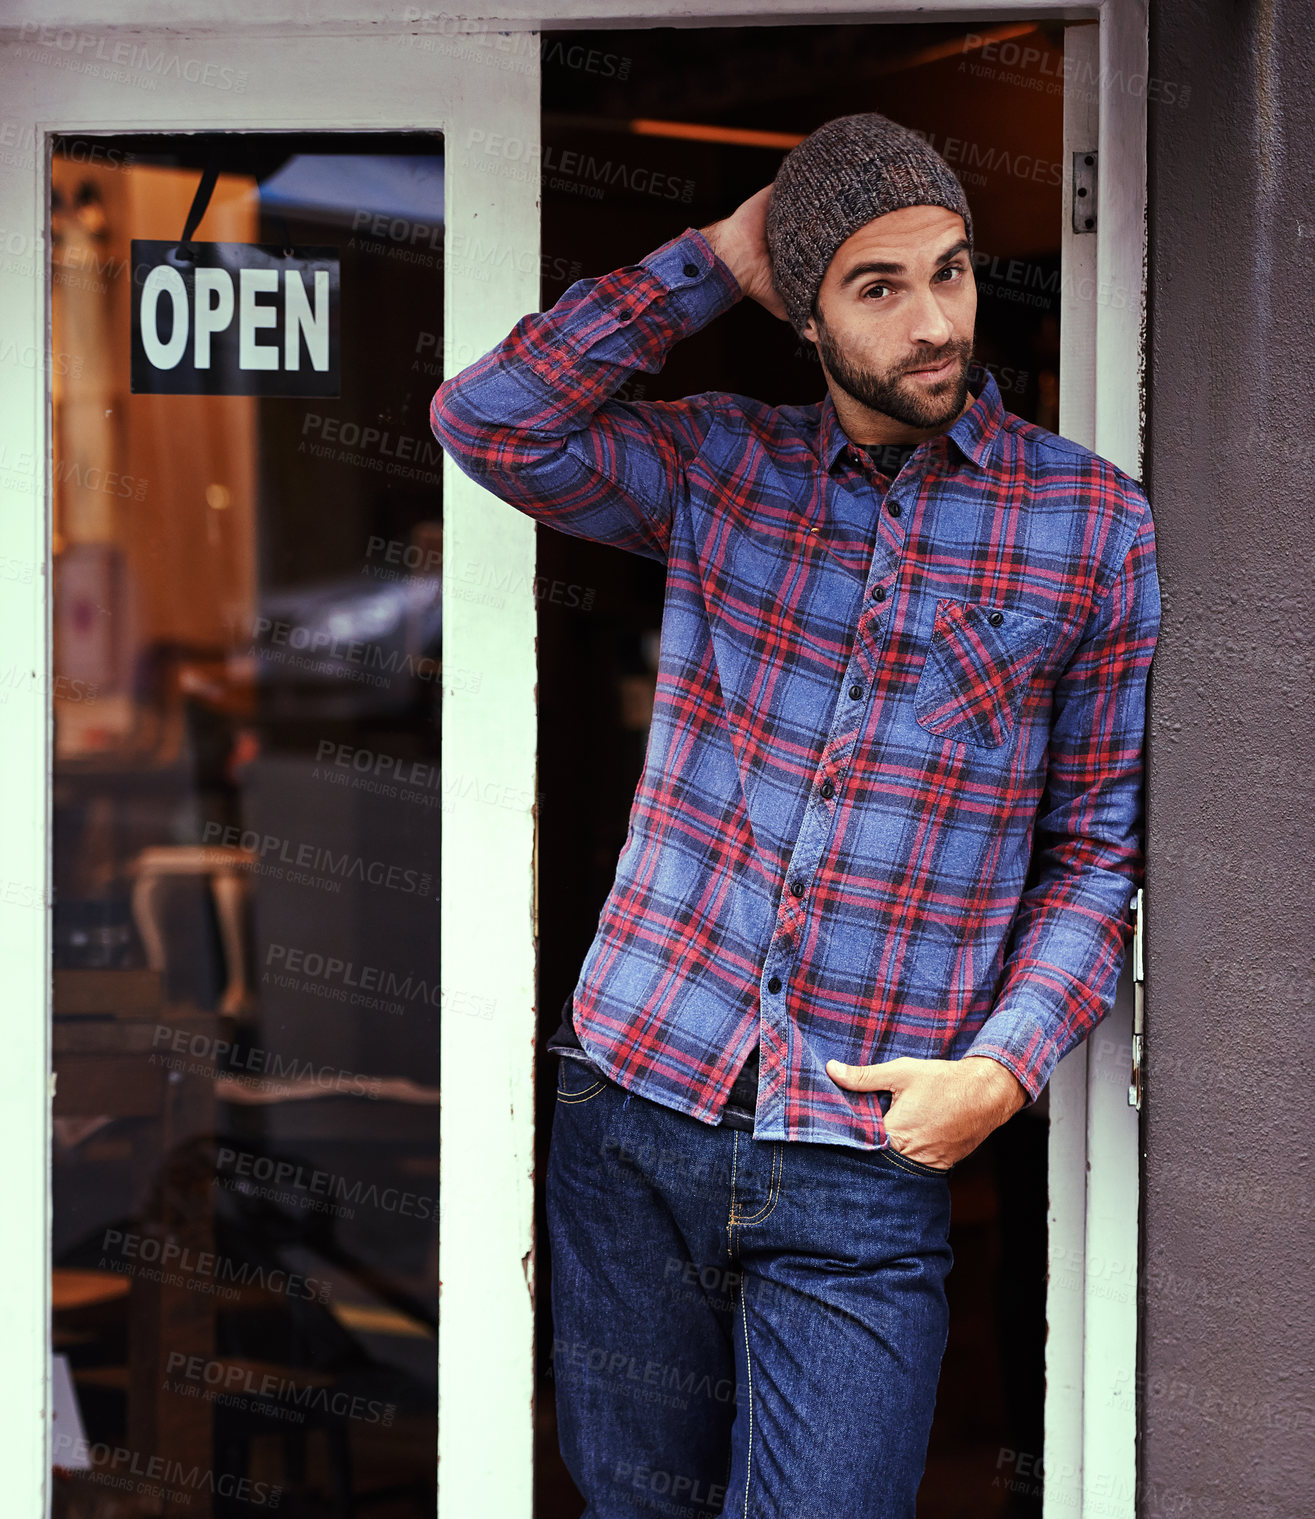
882 848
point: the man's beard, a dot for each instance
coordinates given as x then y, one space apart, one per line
893 395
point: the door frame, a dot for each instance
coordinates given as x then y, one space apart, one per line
350 70
303 81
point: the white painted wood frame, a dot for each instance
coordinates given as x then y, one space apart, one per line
308 82
1091 1306
353 66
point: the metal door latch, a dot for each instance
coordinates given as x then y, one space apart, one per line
1138 996
1084 191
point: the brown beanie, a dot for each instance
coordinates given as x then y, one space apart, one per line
840 177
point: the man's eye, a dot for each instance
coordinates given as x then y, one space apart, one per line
953 269
871 288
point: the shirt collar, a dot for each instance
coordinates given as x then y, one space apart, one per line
973 433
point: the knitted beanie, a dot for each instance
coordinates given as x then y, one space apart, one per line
840 177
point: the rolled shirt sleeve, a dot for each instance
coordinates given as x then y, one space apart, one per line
534 421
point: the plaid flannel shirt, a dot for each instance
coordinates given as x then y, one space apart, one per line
891 797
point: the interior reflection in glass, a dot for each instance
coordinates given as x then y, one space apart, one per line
246 702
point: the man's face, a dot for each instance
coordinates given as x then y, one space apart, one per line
897 299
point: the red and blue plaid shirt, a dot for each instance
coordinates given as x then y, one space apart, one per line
891 798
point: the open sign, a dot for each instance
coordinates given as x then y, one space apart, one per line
234 319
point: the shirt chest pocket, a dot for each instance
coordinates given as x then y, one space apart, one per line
978 666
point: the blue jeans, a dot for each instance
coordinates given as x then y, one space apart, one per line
741 1327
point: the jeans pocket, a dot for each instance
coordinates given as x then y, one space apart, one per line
903 1162
976 670
578 1079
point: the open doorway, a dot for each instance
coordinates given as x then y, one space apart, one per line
645 133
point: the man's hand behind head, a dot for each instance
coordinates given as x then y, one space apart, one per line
740 241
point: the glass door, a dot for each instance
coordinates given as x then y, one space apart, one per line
245 748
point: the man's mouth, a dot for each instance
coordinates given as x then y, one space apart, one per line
940 372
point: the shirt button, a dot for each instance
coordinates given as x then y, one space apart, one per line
878 593
797 888
893 507
691 270
774 985
995 619
828 790
855 692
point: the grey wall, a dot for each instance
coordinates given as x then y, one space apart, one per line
1228 1314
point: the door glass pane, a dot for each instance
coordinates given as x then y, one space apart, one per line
247 551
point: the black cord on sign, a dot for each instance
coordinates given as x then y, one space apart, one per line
201 200
209 178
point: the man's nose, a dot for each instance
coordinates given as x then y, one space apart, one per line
929 323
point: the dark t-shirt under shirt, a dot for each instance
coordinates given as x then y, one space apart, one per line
889 459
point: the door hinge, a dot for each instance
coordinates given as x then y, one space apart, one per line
1138 996
1084 191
